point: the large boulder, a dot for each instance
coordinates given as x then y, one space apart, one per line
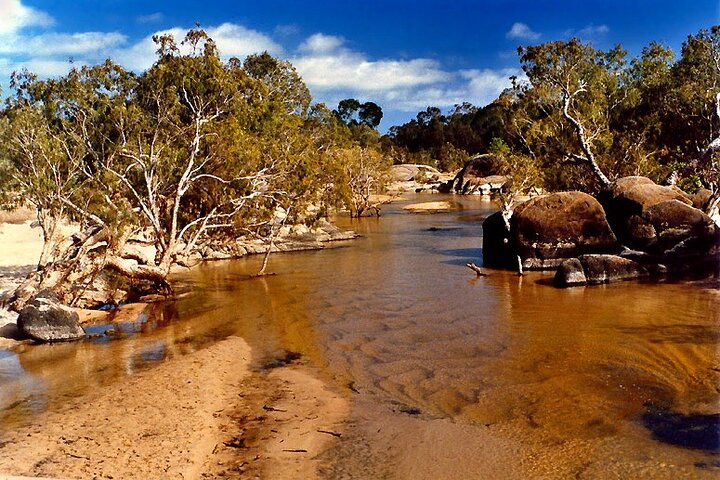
548 229
408 172
596 269
656 218
482 175
570 273
45 319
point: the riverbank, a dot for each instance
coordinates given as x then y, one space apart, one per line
22 243
201 415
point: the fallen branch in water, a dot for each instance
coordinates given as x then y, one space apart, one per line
476 269
334 434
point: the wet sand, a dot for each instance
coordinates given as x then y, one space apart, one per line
202 415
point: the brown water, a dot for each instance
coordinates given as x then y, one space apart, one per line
610 381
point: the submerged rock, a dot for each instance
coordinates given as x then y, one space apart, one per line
700 431
570 273
45 319
594 269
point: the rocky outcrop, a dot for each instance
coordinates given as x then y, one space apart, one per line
482 175
289 239
658 219
701 198
45 319
549 229
647 229
596 269
413 172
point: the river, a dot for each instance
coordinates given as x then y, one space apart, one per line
609 381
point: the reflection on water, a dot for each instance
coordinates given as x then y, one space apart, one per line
397 316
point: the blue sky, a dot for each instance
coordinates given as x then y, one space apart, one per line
404 55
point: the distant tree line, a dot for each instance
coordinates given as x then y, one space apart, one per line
585 116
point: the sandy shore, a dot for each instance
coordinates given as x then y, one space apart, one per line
203 415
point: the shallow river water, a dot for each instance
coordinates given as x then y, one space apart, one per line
614 381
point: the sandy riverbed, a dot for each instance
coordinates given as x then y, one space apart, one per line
201 415
208 414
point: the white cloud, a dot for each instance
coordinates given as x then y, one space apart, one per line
15 16
319 43
232 41
49 67
62 43
593 30
326 65
485 85
333 72
150 18
286 30
521 30
588 31
237 41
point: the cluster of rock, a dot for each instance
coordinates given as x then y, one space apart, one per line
288 239
482 175
45 318
634 229
411 172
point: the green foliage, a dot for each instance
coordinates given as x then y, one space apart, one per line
498 147
587 116
353 113
192 149
282 81
451 158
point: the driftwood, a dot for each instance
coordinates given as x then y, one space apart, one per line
476 269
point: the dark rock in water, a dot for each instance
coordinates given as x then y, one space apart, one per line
610 268
696 431
410 410
659 220
498 249
45 319
596 269
570 273
551 228
446 187
283 361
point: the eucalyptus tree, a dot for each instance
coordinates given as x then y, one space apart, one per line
176 156
283 82
353 113
579 87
